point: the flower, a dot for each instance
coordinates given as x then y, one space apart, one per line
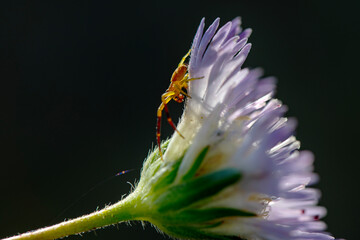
238 171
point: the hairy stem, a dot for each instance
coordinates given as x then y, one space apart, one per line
121 211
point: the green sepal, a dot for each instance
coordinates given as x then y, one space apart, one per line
153 162
155 155
167 177
195 233
205 215
184 194
199 159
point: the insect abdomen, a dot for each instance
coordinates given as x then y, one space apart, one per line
179 73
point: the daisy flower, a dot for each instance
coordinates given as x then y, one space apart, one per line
237 172
233 123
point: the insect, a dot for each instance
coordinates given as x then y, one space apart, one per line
177 91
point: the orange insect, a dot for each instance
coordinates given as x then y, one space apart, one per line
176 91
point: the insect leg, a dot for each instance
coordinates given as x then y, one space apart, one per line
165 98
184 58
170 120
186 79
182 92
192 79
158 127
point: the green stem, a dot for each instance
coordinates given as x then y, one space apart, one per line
121 211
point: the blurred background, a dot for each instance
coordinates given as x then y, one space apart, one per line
81 82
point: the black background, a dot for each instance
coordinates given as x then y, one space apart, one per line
81 82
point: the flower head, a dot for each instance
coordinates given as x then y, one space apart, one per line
238 171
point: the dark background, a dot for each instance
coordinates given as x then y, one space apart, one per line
81 82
